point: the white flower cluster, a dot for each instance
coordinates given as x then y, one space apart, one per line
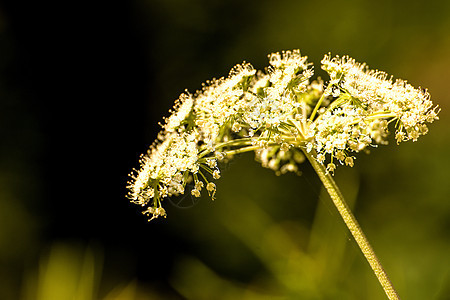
412 107
182 110
219 104
282 116
164 169
364 101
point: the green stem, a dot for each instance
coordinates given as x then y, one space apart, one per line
336 103
319 103
242 150
353 226
374 117
241 141
237 142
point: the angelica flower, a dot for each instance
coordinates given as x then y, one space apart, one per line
289 73
155 212
349 161
376 94
219 104
283 116
211 188
182 109
331 167
163 169
216 174
195 193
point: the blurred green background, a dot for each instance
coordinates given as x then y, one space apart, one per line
82 88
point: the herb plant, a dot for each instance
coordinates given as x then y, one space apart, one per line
285 118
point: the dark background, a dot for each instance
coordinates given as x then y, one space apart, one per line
83 86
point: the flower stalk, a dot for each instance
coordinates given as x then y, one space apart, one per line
353 226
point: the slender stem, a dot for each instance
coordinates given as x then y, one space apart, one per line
242 150
313 114
239 142
336 103
374 116
353 226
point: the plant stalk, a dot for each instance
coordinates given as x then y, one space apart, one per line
353 226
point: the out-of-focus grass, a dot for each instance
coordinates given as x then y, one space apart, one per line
65 273
73 272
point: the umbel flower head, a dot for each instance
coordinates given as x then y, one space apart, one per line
280 114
